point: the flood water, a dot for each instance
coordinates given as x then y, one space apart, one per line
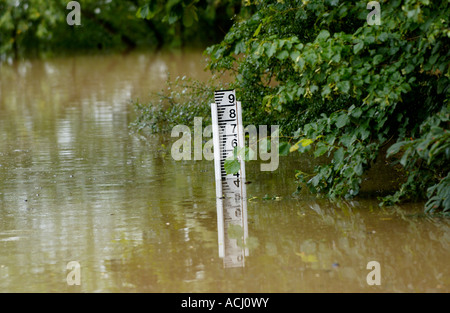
77 185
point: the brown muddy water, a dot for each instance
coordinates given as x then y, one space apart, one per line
77 185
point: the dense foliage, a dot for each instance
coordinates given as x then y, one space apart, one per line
207 20
346 89
39 27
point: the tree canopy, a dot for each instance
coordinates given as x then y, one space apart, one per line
39 27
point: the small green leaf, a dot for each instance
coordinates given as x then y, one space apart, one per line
336 58
189 15
433 58
357 112
232 166
342 120
323 35
295 56
344 86
315 180
282 55
320 150
301 63
310 58
409 68
395 148
377 59
358 47
256 33
383 36
284 148
297 133
271 50
325 91
347 139
365 133
339 155
359 169
405 157
143 11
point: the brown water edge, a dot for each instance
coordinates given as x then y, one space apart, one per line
75 185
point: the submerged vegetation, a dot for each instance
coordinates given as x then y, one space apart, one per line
183 99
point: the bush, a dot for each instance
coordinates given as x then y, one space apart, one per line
178 104
348 88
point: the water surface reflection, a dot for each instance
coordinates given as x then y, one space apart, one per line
232 225
75 185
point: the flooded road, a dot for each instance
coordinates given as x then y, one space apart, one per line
77 185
